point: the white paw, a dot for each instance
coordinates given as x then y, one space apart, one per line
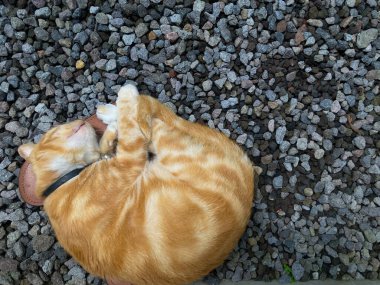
128 91
107 113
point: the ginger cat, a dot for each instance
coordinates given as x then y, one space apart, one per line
166 220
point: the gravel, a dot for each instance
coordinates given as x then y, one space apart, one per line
294 83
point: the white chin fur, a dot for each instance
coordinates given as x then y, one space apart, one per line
84 138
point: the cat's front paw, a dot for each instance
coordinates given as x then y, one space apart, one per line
107 113
128 91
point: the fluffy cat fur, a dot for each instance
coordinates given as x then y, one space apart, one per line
169 220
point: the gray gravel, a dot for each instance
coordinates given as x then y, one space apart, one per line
295 83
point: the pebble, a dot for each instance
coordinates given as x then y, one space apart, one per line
302 143
298 271
141 29
129 39
277 182
207 85
335 106
315 23
42 243
101 18
280 134
366 37
319 153
79 64
229 103
359 142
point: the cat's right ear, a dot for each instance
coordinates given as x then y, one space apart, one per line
25 150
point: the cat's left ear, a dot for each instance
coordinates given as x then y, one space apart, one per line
25 150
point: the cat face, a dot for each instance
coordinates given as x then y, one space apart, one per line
61 149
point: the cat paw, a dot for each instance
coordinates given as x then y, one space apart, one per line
107 113
128 90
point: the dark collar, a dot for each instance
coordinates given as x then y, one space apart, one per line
62 180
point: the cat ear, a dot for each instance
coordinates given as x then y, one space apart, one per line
25 150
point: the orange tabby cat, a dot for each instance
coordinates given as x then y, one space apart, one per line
166 220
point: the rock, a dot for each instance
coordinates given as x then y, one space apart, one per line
17 23
238 274
39 3
141 29
81 37
176 19
207 85
44 12
8 265
16 128
335 106
280 134
337 202
262 13
277 182
242 139
76 271
172 36
229 103
319 153
27 48
42 243
315 23
220 82
41 34
359 142
79 64
366 37
373 75
351 3
34 219
101 18
199 6
326 104
298 271
182 67
129 39
270 95
152 36
302 143
111 65
291 76
34 279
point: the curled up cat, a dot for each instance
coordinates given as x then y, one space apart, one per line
166 218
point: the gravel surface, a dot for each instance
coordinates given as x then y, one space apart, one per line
295 83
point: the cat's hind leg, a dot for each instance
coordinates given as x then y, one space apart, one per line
108 114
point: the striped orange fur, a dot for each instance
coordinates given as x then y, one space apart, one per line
169 220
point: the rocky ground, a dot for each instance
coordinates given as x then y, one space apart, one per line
295 83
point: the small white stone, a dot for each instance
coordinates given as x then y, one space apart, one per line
308 192
319 153
271 125
315 23
351 3
335 107
302 143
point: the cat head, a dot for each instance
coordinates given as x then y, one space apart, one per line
62 149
